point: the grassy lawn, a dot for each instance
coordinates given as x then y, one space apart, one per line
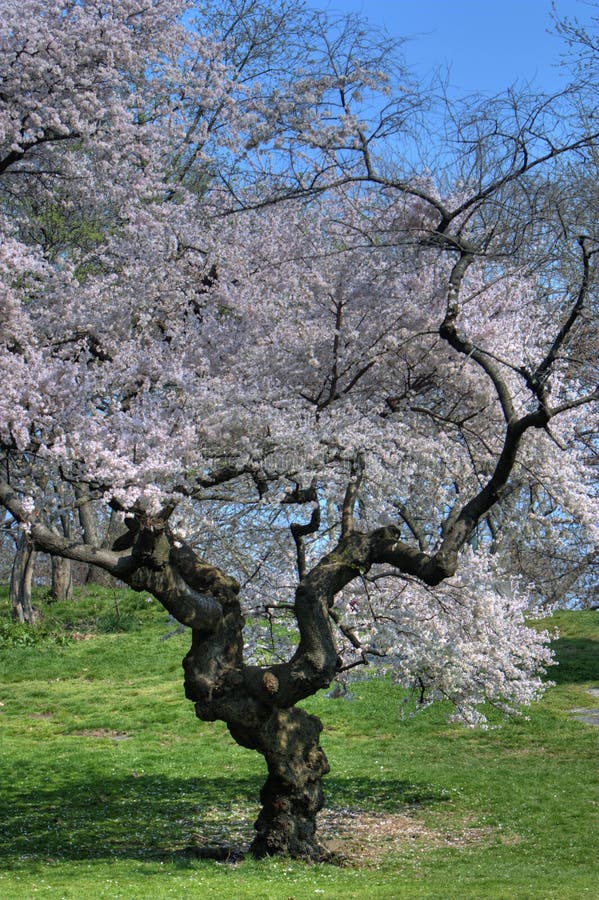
107 776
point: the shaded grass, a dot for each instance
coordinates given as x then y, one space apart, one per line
106 776
576 647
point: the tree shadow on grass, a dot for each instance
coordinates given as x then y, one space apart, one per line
578 660
152 818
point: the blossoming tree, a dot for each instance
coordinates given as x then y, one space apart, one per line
311 381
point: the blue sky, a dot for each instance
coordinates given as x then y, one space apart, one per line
488 44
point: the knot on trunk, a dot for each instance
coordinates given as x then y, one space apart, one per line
270 682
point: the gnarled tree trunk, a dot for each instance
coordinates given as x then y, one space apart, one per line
293 793
289 740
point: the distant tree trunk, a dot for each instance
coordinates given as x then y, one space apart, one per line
21 579
62 579
62 576
87 518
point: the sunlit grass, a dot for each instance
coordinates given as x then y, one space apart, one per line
107 777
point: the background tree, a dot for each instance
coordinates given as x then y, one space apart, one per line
315 381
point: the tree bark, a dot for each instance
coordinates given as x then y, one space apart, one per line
87 519
62 575
62 579
21 579
288 738
257 705
292 795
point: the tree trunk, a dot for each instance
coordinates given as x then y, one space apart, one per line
247 699
62 579
292 795
87 518
21 579
62 576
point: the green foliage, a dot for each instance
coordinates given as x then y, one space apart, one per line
14 634
107 778
94 608
61 228
115 622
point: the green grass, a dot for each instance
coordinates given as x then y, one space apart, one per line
106 775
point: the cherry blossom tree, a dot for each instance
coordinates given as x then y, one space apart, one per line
320 384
